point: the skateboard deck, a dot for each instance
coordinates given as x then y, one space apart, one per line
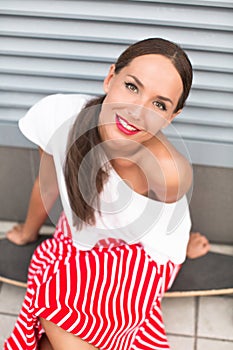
15 259
211 274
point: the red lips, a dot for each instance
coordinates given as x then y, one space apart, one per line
124 126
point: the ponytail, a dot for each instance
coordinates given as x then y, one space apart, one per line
84 175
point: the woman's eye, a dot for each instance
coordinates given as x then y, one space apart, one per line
160 105
131 87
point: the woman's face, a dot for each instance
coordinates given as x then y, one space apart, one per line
140 100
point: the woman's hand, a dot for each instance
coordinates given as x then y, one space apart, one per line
198 245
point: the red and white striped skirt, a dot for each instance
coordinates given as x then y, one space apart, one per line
109 296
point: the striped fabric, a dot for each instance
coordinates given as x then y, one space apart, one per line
109 296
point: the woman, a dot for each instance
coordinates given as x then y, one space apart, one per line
99 281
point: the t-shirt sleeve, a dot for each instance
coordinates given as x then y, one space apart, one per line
38 123
44 118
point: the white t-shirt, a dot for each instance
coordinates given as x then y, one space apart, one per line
162 228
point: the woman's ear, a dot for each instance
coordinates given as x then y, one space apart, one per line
107 80
168 121
175 115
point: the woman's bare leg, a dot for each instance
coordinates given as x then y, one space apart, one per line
62 340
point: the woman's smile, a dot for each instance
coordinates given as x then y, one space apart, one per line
126 127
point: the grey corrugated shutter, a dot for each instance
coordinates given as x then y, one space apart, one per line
66 46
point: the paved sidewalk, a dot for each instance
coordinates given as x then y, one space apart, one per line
192 323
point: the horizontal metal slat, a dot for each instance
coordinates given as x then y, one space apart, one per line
67 49
192 131
79 39
96 70
213 81
47 85
210 99
114 32
19 99
201 132
11 114
102 52
207 153
12 101
206 116
191 115
204 3
199 152
53 67
121 11
211 61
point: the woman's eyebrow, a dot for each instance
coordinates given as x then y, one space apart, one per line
141 85
165 99
136 79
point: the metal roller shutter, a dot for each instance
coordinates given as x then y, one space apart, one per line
66 46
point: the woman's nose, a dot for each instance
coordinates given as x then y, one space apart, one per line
136 111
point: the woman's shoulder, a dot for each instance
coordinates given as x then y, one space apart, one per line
54 107
174 170
47 115
61 104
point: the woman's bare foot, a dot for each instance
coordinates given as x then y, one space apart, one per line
17 235
198 245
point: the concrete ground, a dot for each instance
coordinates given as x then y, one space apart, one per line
192 323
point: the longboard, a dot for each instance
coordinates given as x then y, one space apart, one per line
211 274
15 259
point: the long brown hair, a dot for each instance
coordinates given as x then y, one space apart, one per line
84 173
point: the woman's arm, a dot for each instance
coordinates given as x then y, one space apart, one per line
43 196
